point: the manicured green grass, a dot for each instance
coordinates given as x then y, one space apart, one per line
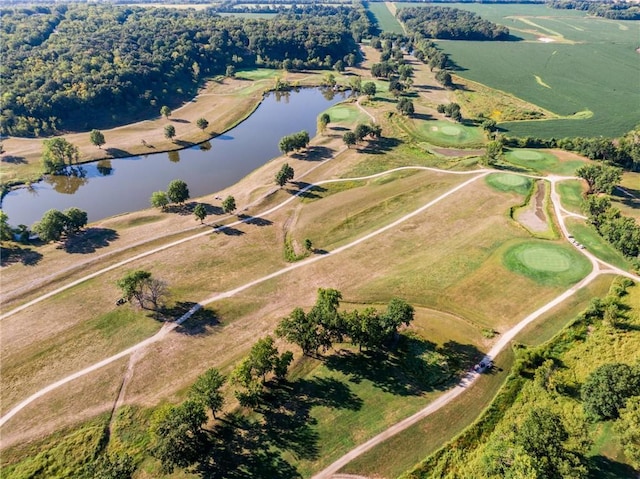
346 113
547 263
444 133
509 182
589 237
258 73
541 162
571 195
386 21
592 65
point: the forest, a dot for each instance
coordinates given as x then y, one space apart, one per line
611 10
450 24
63 61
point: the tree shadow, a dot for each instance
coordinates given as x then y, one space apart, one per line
181 209
213 210
203 321
118 152
16 254
338 128
314 153
311 193
89 240
15 160
183 143
422 116
254 220
227 230
416 367
174 312
380 146
602 467
179 120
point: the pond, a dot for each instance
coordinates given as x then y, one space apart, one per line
110 187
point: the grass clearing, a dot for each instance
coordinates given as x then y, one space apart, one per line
384 18
547 263
589 237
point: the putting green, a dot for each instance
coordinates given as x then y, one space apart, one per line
527 155
547 263
451 130
509 182
542 258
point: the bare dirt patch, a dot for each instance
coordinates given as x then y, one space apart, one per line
533 216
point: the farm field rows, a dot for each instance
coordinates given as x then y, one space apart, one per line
588 69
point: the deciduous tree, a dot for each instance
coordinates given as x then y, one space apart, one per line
207 390
51 226
202 123
607 389
165 111
169 132
97 138
349 138
200 212
178 191
159 199
57 154
229 204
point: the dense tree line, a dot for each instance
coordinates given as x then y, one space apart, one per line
612 10
621 231
62 62
450 24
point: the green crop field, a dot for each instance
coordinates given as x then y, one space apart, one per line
576 66
386 21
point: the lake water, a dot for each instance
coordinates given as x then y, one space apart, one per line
107 188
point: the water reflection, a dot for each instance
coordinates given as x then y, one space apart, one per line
104 167
68 183
110 187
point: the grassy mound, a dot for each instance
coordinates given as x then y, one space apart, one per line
444 133
508 182
346 113
547 263
541 162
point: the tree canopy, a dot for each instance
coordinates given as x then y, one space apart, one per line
81 66
178 191
607 389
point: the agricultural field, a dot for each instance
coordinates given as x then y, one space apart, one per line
583 69
386 20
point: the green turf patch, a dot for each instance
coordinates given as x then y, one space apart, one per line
571 195
509 182
258 73
589 237
346 113
385 20
444 133
547 263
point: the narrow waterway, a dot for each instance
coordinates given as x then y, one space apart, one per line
107 188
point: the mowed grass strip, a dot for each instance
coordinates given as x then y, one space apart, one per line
596 244
445 133
546 262
385 20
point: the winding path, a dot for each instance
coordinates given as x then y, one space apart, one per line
166 328
599 267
